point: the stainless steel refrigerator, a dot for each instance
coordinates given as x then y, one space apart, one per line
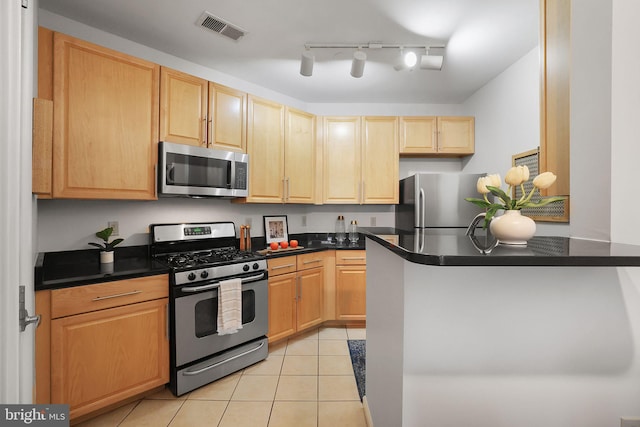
436 201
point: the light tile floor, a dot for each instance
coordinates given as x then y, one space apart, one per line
306 381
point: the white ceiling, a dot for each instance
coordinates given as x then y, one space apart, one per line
482 38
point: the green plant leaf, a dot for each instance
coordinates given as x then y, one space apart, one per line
478 202
543 202
105 234
97 245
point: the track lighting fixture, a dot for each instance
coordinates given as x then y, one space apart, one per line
306 63
432 60
357 65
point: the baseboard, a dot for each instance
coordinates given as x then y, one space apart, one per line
367 413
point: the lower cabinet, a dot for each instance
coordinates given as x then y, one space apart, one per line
351 285
296 286
109 342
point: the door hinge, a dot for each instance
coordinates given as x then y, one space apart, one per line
25 4
25 319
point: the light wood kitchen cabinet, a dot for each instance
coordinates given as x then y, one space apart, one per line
265 146
342 160
197 112
299 157
228 110
351 285
183 108
442 136
295 294
555 106
109 342
360 157
380 160
105 122
42 142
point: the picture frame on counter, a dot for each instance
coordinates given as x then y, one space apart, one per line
276 229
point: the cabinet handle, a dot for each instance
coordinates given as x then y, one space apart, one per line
312 261
354 258
117 295
362 199
298 289
204 131
278 267
210 139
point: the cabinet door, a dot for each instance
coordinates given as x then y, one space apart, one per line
300 157
456 135
342 160
418 135
555 97
227 118
351 292
380 160
310 289
103 357
105 121
265 145
282 306
183 108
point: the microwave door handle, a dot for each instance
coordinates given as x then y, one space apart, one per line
231 175
171 174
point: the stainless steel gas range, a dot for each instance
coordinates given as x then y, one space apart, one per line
200 256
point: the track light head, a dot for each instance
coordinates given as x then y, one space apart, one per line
357 65
306 63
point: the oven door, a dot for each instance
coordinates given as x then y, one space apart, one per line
195 312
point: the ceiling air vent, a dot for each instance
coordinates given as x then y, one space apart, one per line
220 26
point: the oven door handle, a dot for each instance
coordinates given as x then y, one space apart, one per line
206 368
216 284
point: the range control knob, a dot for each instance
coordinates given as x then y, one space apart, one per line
245 267
191 276
204 274
256 266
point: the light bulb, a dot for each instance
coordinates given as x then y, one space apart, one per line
410 59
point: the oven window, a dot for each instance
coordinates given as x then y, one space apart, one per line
189 170
206 313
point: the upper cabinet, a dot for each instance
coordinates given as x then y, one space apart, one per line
299 157
265 146
380 160
281 143
195 111
183 108
105 122
360 156
555 46
228 108
442 136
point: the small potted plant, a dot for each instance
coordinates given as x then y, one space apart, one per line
106 253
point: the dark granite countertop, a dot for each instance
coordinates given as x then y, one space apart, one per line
451 247
65 269
54 270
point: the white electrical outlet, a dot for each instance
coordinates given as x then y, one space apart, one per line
630 422
304 220
115 226
373 221
247 221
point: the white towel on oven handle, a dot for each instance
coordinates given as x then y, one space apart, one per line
229 306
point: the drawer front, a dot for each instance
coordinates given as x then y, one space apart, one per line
282 265
351 257
311 260
84 299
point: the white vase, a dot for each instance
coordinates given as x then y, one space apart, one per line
512 228
106 257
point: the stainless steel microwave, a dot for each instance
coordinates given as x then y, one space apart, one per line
190 171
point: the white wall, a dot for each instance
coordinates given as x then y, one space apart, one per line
625 107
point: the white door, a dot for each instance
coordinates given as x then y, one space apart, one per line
17 26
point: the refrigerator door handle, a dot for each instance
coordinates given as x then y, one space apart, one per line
423 208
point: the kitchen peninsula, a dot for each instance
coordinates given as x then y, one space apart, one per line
523 336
